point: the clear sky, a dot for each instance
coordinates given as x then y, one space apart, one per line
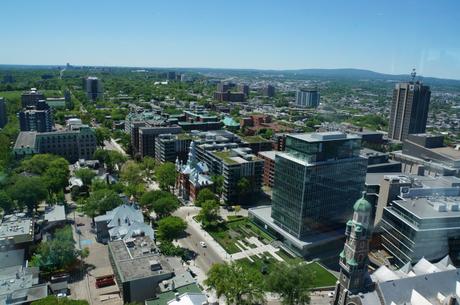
390 36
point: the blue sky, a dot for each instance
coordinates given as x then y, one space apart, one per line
386 36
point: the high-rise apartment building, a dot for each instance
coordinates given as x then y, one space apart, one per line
93 86
31 97
244 88
409 110
37 118
316 180
3 113
307 98
269 91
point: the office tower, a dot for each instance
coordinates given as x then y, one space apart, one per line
316 179
36 118
3 113
31 97
269 91
68 100
307 98
93 88
354 277
171 75
409 110
244 88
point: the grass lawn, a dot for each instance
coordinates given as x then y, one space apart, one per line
230 232
322 277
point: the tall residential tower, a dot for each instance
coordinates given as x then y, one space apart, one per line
409 110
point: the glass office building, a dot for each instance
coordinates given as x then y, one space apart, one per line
317 180
424 223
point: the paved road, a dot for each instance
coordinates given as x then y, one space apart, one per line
206 256
113 145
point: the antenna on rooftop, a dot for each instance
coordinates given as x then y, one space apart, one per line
413 75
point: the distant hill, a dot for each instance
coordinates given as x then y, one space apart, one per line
344 73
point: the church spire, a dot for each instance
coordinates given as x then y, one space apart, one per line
353 260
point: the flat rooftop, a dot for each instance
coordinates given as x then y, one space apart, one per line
447 152
134 257
324 136
25 139
270 154
432 207
16 227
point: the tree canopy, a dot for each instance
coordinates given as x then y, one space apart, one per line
292 282
101 201
28 192
59 253
166 175
209 213
171 227
86 175
239 285
54 300
204 195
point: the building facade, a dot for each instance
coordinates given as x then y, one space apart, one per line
93 87
37 118
409 110
3 113
269 91
307 98
315 180
69 144
31 97
269 166
423 223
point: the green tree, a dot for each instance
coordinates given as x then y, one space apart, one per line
28 192
239 285
110 158
54 300
204 195
56 176
86 175
243 187
166 175
100 201
6 203
171 227
209 213
59 253
131 173
292 282
165 206
218 184
150 197
148 165
102 134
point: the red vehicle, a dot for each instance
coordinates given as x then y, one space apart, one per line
105 281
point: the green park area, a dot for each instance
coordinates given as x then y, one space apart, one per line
266 264
228 233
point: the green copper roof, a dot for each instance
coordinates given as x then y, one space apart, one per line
342 254
229 121
352 262
362 205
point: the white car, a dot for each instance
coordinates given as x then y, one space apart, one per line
203 244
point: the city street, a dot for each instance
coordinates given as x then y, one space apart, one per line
206 256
